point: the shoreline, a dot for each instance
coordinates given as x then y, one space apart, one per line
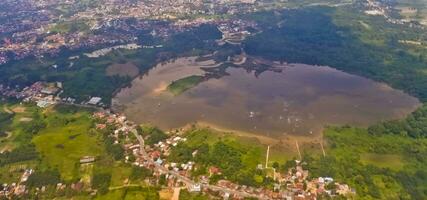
265 140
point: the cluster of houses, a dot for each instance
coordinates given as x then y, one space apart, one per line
295 184
9 191
44 94
298 185
235 31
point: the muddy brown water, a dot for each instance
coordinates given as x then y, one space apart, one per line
300 100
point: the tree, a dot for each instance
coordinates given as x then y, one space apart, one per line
276 165
43 178
140 173
101 182
155 136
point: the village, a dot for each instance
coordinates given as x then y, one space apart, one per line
295 184
45 94
43 33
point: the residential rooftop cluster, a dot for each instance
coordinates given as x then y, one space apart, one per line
295 184
11 190
46 27
45 94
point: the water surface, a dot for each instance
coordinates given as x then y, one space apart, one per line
299 100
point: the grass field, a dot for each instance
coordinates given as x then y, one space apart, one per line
16 136
62 146
179 86
383 160
131 193
254 150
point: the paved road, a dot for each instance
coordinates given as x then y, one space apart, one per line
162 169
185 179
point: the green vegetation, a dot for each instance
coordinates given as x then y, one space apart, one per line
184 194
115 150
101 182
53 143
377 166
154 135
335 37
87 76
236 157
24 153
43 178
415 125
70 27
65 140
179 86
140 173
132 193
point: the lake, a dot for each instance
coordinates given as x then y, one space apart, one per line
299 100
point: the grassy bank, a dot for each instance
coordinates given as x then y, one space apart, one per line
179 86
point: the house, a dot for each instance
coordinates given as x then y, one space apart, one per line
43 104
214 171
87 159
155 154
195 188
49 90
94 101
101 126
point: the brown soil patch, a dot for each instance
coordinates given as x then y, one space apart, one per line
165 194
18 109
161 88
127 69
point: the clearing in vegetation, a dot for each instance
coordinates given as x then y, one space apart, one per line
127 69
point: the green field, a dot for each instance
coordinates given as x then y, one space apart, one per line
377 166
237 156
70 27
65 140
131 193
14 126
53 142
179 86
390 161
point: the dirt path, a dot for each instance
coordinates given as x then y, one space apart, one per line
299 153
6 109
176 192
25 119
